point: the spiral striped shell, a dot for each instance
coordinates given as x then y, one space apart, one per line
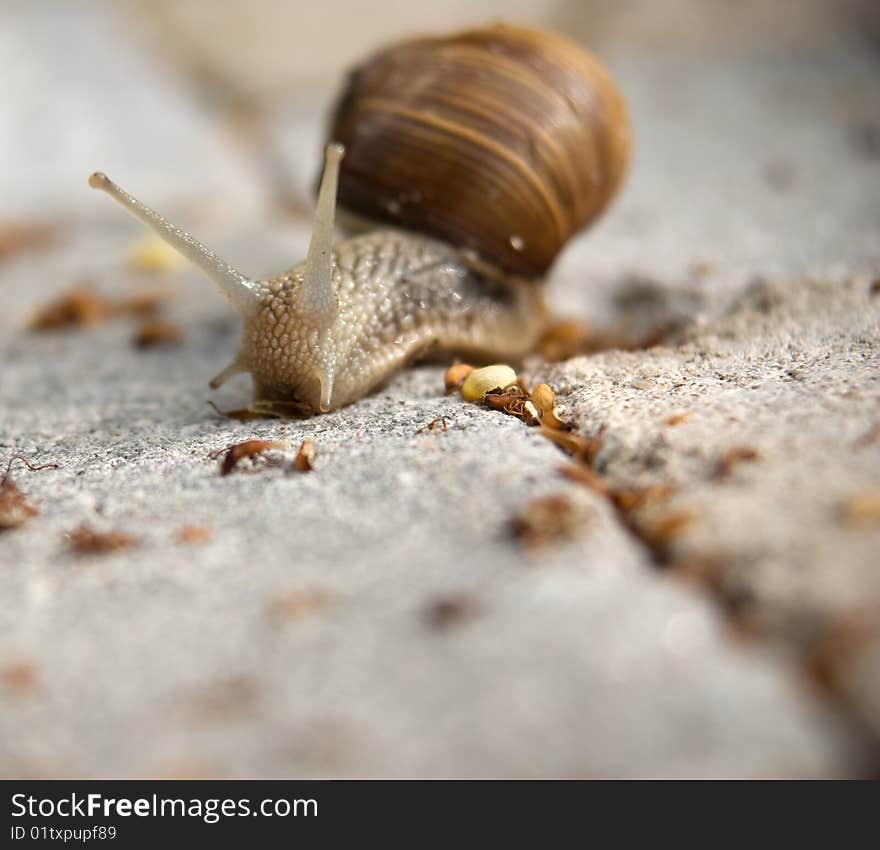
503 141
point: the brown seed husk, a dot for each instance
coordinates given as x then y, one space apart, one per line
193 534
861 509
86 541
248 448
548 520
305 457
455 376
155 332
79 306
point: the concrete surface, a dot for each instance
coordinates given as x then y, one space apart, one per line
375 616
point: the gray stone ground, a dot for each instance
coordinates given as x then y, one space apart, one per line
751 220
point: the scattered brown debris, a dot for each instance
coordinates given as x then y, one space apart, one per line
296 604
582 474
677 418
15 510
659 534
874 286
701 269
455 376
142 305
86 541
78 306
548 520
871 436
19 237
305 457
734 457
438 424
156 332
19 677
193 534
451 610
655 533
240 451
550 419
837 645
861 509
226 700
544 398
514 402
82 306
628 499
579 446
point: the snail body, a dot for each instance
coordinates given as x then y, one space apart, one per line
479 155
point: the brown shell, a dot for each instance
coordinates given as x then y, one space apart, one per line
503 140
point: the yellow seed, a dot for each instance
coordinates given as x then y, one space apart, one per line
153 255
480 381
544 397
456 374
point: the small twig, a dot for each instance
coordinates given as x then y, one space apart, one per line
28 464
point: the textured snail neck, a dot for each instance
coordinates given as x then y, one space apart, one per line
316 297
239 289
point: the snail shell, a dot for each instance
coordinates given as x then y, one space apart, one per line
503 141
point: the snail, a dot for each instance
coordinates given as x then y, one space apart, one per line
469 162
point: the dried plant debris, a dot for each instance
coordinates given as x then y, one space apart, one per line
871 436
454 609
861 509
233 455
677 419
630 499
549 520
19 677
145 304
631 505
82 306
513 401
837 646
579 446
15 510
86 541
498 388
224 701
299 603
733 458
455 376
568 338
21 237
193 534
544 398
438 424
79 306
659 533
305 457
582 474
156 332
